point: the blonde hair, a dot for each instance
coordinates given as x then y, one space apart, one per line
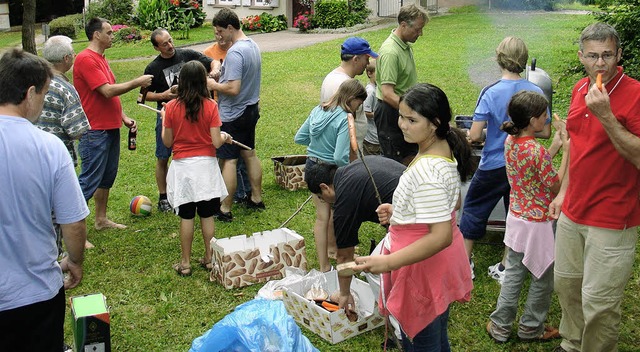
512 54
371 67
349 90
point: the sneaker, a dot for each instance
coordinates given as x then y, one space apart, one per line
496 274
164 206
67 348
472 265
497 333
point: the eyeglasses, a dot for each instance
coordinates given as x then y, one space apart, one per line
595 57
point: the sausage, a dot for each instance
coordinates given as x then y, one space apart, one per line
352 132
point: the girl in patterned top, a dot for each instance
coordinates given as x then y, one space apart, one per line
529 235
424 258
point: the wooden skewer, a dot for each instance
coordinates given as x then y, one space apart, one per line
241 145
158 111
148 107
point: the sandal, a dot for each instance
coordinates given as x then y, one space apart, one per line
207 265
182 270
549 333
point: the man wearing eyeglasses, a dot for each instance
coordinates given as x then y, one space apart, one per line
598 207
165 69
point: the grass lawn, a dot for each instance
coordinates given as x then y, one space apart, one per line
152 309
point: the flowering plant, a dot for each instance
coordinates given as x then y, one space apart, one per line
117 27
251 23
125 34
303 21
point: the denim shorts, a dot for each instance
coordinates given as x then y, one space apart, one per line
162 152
243 130
485 191
100 153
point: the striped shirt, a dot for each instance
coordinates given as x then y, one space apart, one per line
427 192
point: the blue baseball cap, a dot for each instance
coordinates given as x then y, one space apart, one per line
357 46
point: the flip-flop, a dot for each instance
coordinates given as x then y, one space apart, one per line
206 265
181 270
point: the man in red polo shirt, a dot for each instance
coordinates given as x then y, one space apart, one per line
99 93
597 229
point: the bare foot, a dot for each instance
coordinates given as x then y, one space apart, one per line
88 245
108 224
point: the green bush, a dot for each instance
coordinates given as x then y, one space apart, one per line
339 13
271 23
330 14
358 12
69 25
170 14
116 11
624 15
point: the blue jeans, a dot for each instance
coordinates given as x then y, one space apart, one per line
485 190
100 154
162 152
433 338
244 187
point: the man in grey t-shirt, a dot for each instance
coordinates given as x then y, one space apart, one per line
238 96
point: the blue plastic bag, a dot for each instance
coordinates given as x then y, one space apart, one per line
259 325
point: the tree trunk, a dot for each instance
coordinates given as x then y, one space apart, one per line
29 26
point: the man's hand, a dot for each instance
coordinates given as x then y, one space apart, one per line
74 273
347 303
144 81
598 102
131 123
170 93
556 206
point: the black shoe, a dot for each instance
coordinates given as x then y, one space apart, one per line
253 205
224 217
242 200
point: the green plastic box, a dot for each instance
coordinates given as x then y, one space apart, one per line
91 323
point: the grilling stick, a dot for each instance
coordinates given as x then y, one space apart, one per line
233 141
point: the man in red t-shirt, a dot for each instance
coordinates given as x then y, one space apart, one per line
99 93
598 207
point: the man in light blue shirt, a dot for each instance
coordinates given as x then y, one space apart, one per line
38 179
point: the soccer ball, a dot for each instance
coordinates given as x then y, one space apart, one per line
140 206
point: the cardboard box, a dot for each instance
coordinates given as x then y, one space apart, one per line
241 261
289 171
91 323
332 326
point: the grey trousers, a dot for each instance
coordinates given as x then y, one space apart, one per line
538 299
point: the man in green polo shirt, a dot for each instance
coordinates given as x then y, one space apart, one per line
395 73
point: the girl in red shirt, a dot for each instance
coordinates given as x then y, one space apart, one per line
191 126
529 235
